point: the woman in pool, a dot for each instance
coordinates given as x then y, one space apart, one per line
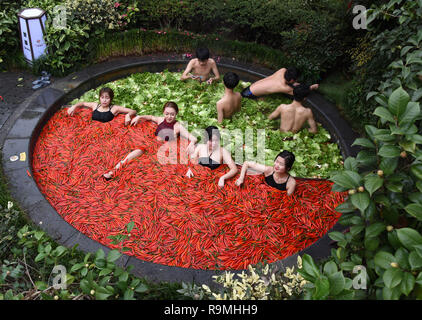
276 176
168 129
104 111
211 155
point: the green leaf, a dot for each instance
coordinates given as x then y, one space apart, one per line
407 284
411 113
309 266
85 287
409 237
374 229
100 254
388 151
330 267
113 255
415 260
345 207
418 249
372 183
364 143
392 277
366 158
141 288
76 267
322 288
130 226
383 259
102 293
391 294
415 210
384 114
105 272
360 200
417 170
398 101
336 236
40 257
351 164
337 283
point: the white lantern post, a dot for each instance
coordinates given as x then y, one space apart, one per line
31 27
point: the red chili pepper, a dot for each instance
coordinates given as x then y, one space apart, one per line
178 221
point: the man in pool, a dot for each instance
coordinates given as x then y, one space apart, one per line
294 115
281 81
200 68
230 102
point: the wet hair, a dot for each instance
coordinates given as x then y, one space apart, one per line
300 92
171 104
231 80
202 53
109 91
291 74
289 158
211 131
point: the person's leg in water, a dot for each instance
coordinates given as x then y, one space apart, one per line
130 156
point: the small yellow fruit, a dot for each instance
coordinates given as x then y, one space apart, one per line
403 154
390 228
92 292
352 191
394 264
361 189
380 173
56 297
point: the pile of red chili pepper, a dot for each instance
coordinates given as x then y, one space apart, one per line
178 220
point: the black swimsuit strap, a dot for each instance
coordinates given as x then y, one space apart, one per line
272 174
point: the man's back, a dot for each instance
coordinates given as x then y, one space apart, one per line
293 116
228 105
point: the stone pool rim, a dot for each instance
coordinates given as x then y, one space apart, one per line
23 132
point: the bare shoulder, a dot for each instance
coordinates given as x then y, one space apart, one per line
292 181
91 105
268 170
211 61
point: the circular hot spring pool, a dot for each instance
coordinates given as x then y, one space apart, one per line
165 213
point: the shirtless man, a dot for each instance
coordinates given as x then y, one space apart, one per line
280 81
230 102
294 115
201 67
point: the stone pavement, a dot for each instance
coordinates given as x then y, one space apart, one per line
15 87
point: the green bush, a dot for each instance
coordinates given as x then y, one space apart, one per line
9 35
384 181
388 56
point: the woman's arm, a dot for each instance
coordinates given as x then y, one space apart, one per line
179 129
227 159
250 165
137 119
291 186
91 105
129 113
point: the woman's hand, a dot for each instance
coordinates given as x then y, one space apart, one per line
239 182
127 119
134 121
221 182
71 110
